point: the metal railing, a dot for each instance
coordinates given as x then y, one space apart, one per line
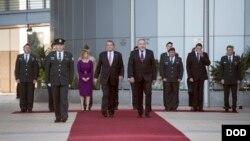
16 5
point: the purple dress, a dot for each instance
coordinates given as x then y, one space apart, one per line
85 70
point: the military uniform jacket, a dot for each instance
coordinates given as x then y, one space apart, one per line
26 72
172 72
109 72
230 72
59 72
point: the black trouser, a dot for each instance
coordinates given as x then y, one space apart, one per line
134 96
50 99
116 100
108 98
146 87
18 91
60 99
171 95
26 95
198 94
164 95
227 89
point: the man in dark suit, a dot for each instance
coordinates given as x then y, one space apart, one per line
230 77
26 72
59 72
134 92
142 72
110 66
172 71
197 73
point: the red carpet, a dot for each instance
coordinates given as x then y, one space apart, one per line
125 126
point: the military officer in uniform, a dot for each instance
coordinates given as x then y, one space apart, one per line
171 67
169 45
59 72
230 77
26 72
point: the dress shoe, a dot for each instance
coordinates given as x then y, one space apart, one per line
29 111
139 116
147 115
64 120
226 110
235 111
111 115
57 120
23 110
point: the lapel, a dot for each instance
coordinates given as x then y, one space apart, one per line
231 60
194 56
114 58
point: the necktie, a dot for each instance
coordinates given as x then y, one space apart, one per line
230 61
59 56
110 59
172 60
198 56
142 56
26 58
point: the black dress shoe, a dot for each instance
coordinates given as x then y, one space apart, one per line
235 111
139 116
29 111
147 115
23 110
64 120
226 110
57 120
111 115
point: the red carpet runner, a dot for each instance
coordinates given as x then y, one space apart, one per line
125 126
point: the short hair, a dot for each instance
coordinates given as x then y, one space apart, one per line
198 44
171 49
110 41
27 44
141 40
53 44
169 43
136 47
86 47
230 46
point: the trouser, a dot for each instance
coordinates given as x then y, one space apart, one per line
108 98
227 89
134 96
50 99
60 99
198 94
164 95
172 95
26 95
146 87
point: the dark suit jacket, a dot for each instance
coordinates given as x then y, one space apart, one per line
109 72
197 69
230 72
172 72
59 72
26 72
142 70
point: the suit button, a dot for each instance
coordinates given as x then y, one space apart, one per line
59 70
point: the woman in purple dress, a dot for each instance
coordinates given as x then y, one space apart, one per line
85 73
